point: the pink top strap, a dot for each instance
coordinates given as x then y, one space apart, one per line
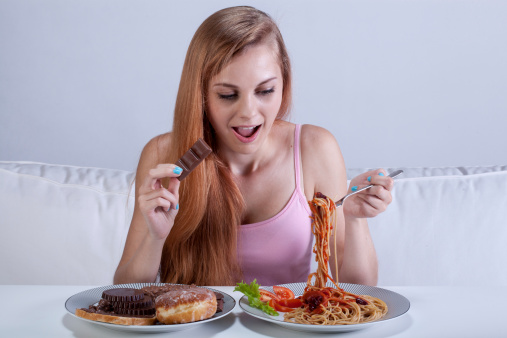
297 165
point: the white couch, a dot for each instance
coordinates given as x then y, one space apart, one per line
67 225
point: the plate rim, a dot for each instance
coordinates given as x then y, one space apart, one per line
158 328
328 328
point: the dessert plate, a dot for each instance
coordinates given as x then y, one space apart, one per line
397 306
92 296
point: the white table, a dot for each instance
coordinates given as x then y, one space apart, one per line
38 311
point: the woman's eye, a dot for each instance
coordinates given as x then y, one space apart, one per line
227 96
267 91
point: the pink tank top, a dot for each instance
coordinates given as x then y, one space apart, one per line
279 250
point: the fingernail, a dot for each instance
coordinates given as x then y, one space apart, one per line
369 178
168 209
354 188
381 174
177 170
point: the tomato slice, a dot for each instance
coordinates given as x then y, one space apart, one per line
292 303
283 292
266 296
278 307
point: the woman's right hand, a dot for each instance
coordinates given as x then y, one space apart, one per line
159 205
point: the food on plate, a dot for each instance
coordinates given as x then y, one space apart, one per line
156 290
283 292
330 305
155 304
185 306
285 305
281 299
123 306
254 297
266 296
319 305
191 159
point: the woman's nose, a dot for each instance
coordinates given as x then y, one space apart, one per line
247 106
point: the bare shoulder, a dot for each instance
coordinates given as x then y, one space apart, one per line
317 138
319 148
158 145
283 132
322 160
153 153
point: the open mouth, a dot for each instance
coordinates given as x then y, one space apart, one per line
246 133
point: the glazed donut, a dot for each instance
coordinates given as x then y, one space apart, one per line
185 305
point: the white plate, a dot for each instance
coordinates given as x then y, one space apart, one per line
397 305
92 296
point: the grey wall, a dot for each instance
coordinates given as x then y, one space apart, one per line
399 83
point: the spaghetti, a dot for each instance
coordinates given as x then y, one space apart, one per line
330 305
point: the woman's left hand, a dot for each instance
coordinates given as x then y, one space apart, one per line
370 202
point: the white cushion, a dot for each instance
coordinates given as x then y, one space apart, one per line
67 225
62 224
445 226
445 230
434 171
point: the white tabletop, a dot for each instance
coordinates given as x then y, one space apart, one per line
39 311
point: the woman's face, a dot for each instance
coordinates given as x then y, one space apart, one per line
244 99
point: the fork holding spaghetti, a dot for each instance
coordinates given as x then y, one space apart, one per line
330 305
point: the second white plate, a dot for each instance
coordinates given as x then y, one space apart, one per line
397 306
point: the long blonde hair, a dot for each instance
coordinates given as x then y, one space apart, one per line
202 245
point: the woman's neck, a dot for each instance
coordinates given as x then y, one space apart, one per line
247 164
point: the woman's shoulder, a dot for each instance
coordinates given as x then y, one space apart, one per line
322 160
154 151
310 130
159 143
318 141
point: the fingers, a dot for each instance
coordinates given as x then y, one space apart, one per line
152 195
380 193
371 206
158 198
379 177
378 203
377 198
174 186
152 180
376 177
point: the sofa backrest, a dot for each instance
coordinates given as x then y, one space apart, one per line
446 226
68 225
62 224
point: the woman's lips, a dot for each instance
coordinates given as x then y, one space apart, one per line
246 134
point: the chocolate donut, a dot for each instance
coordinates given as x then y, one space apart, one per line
123 306
185 305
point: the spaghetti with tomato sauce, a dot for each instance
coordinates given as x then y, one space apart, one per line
330 305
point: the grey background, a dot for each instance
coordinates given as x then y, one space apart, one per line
399 83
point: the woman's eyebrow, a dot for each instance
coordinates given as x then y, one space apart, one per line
229 85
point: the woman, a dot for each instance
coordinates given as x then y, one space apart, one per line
243 212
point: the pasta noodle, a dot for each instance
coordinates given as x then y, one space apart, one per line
330 305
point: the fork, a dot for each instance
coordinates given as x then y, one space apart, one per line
339 203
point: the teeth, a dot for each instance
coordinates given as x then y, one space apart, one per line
246 131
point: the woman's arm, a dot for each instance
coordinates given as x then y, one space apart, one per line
154 212
361 265
360 259
355 260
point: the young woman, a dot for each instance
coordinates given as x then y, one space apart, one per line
243 212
